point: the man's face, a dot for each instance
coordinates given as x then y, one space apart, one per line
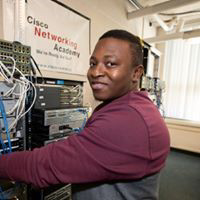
111 72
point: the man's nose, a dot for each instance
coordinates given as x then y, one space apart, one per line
98 70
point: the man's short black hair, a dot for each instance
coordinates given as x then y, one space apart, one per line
135 43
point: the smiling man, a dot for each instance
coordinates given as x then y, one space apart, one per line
113 71
124 145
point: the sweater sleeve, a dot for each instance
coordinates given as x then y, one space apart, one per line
113 146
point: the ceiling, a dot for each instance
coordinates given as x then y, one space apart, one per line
192 11
173 16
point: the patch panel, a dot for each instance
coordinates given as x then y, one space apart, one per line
4 55
23 68
20 53
21 58
17 47
5 45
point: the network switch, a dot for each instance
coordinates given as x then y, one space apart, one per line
20 53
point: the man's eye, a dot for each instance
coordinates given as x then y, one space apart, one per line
92 64
110 64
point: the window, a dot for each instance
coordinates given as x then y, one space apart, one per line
182 76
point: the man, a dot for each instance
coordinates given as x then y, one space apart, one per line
124 144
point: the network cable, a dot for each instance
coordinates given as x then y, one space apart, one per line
77 88
85 113
5 124
18 88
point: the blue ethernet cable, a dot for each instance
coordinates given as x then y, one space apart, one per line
5 123
1 139
84 122
84 112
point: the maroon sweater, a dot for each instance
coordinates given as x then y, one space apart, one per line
125 139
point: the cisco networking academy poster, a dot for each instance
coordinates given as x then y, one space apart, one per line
59 37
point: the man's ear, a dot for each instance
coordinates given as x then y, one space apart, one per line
138 72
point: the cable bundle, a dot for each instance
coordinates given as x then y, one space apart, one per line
77 89
19 86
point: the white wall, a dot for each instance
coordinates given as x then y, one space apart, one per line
184 134
1 20
104 15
